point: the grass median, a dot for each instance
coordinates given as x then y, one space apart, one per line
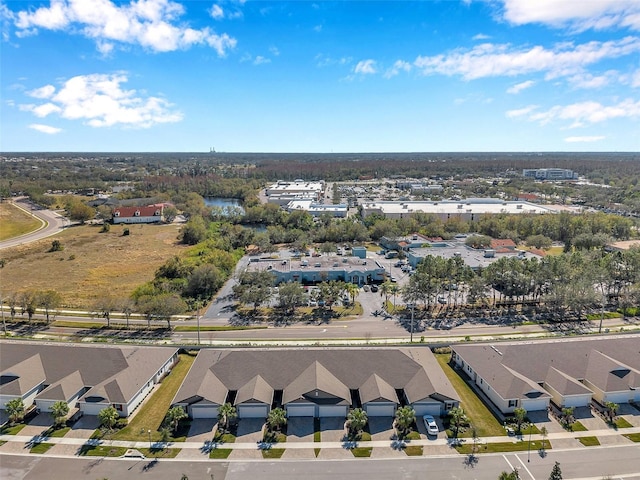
16 222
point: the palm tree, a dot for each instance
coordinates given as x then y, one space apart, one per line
458 419
353 290
395 290
612 408
59 410
174 415
356 420
108 417
276 419
385 289
15 410
226 413
405 417
520 414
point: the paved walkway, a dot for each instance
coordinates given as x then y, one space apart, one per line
610 437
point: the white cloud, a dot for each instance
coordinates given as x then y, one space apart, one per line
100 101
45 128
518 87
365 67
635 79
587 80
589 14
481 36
42 92
323 60
491 60
592 138
274 51
520 112
152 24
260 60
398 66
216 12
581 113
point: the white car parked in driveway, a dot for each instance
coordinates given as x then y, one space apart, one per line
430 424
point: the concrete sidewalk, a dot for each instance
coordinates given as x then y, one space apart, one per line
391 444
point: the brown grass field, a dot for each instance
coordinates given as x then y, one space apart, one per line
92 264
15 222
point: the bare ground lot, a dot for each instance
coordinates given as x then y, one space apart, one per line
92 264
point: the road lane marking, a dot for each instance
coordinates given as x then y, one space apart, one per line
524 465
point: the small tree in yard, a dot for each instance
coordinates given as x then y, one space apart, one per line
405 416
108 417
457 420
544 432
174 415
612 408
15 410
59 411
356 420
567 416
556 473
226 413
509 476
520 414
276 420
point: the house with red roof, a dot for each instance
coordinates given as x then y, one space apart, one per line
148 214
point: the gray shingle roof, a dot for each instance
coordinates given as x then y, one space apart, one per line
316 378
375 389
21 375
255 389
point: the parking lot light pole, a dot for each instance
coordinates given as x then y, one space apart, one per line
529 450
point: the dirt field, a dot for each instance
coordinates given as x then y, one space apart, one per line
92 263
15 222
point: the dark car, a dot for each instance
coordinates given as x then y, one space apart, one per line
374 288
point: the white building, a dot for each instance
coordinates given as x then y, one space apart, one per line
310 189
317 209
550 173
467 209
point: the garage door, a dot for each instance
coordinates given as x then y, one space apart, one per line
301 410
203 411
374 410
92 408
253 411
332 411
427 409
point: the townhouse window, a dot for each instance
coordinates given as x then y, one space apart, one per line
513 403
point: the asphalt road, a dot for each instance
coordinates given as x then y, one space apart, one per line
52 223
584 464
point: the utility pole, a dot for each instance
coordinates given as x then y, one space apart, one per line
198 320
602 313
413 305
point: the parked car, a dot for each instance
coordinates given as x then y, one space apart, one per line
374 288
442 300
430 424
393 279
366 288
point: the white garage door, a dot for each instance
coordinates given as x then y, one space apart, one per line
377 410
427 409
45 405
203 411
531 405
301 410
92 408
253 411
332 411
577 401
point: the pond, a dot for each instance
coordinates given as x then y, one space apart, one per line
224 204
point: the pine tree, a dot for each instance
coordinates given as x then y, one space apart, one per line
556 473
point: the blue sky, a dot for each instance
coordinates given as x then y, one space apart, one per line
320 76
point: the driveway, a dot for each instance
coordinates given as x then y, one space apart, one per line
84 427
201 430
332 429
250 430
300 429
381 428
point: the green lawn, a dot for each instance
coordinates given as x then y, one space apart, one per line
622 423
272 453
480 416
413 450
40 448
154 410
159 452
634 437
16 222
578 427
361 452
316 451
224 438
101 451
12 430
57 433
467 448
589 441
220 453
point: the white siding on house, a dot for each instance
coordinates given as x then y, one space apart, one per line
618 397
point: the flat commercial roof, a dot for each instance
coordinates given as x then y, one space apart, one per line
451 207
473 258
321 263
